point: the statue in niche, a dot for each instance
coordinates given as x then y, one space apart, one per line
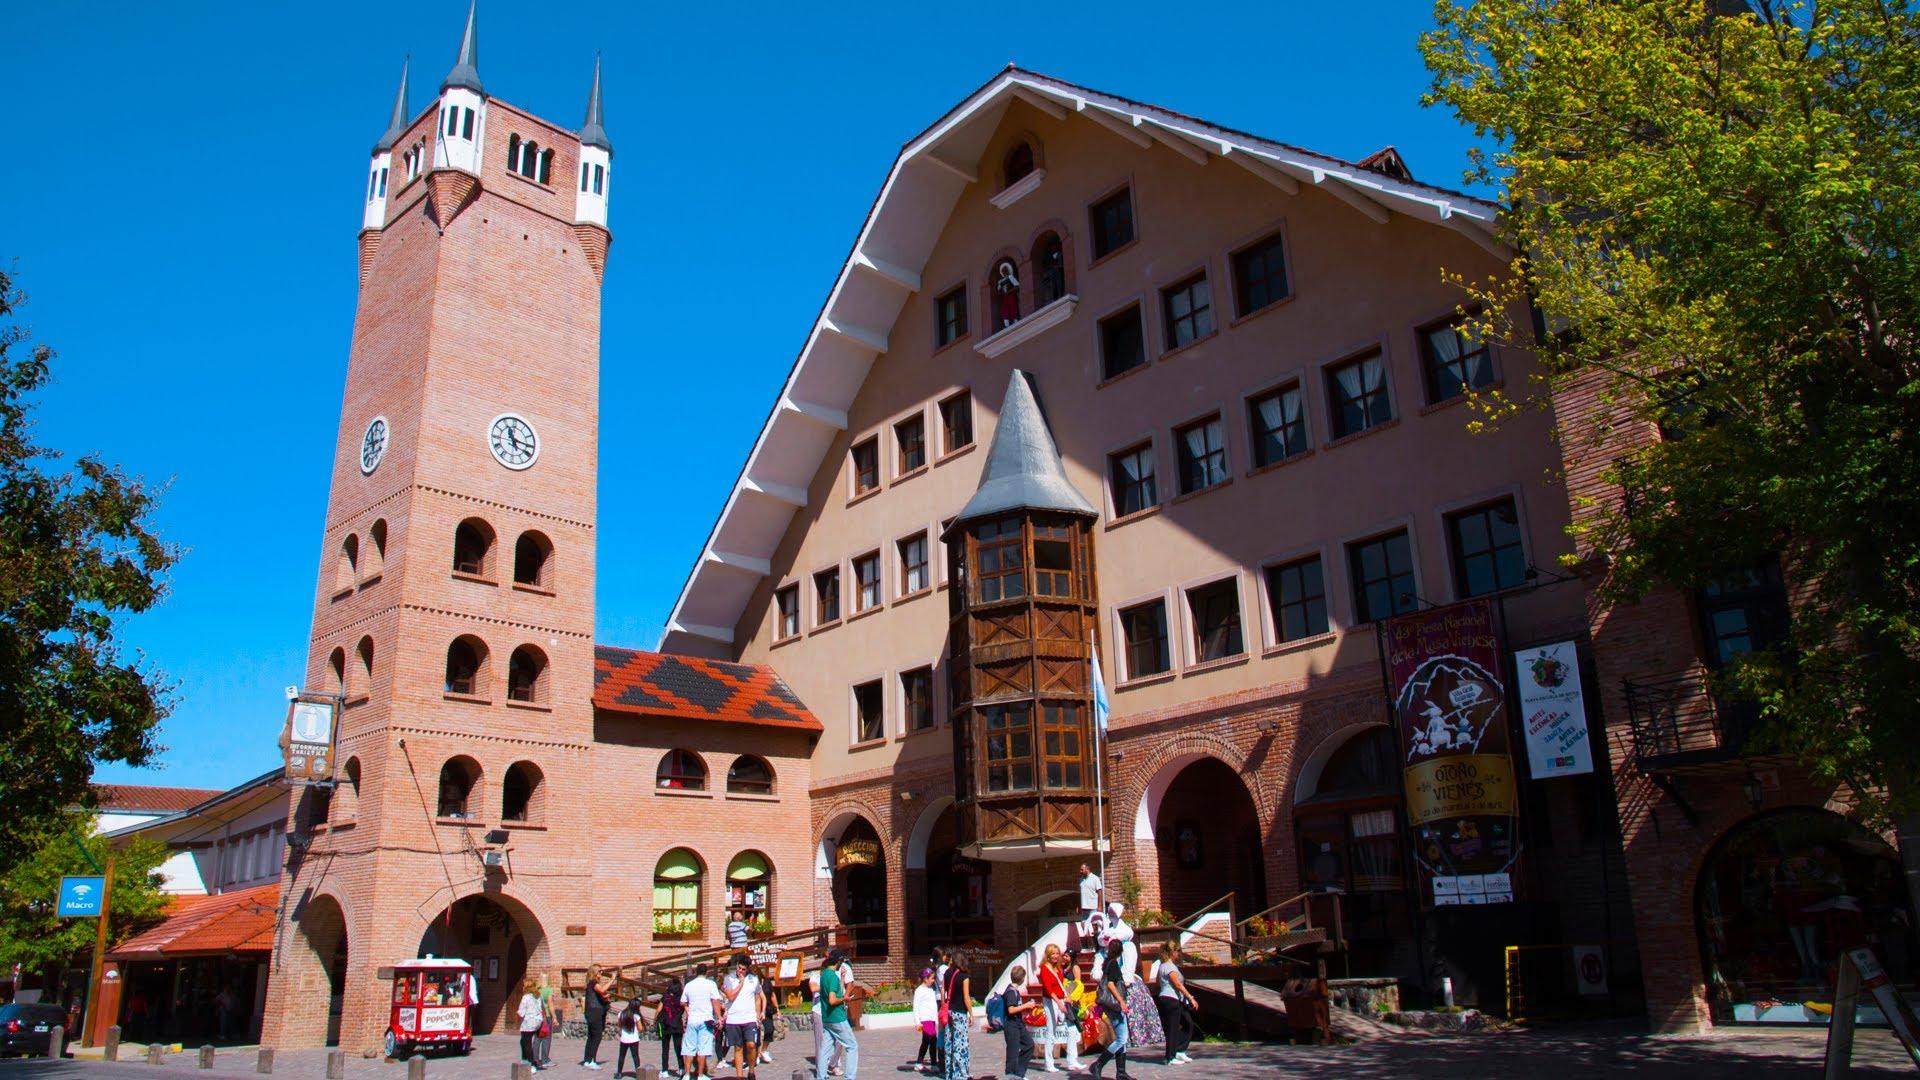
1006 294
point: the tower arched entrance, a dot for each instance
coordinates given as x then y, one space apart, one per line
501 939
859 864
959 891
316 968
1206 833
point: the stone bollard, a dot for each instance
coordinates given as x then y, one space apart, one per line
417 1067
264 1064
336 1065
206 1057
648 1072
111 1051
56 1041
522 1071
156 1053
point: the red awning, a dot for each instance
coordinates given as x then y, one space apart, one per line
234 922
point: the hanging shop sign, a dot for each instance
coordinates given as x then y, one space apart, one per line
856 853
1553 710
306 742
1450 703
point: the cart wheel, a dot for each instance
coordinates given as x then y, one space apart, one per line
466 1046
393 1045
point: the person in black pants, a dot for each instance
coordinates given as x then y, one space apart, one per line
1170 994
1019 1035
596 1018
671 1020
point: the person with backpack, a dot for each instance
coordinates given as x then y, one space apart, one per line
669 1022
1009 1009
628 1030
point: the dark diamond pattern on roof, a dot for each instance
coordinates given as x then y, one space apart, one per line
691 688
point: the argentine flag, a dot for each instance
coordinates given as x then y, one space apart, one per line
1100 705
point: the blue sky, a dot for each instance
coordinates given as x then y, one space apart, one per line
185 186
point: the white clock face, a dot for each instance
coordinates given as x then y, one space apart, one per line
513 441
373 445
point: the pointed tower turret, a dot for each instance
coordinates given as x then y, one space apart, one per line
1023 610
596 173
463 105
397 124
374 218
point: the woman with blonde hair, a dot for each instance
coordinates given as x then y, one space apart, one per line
532 1014
1059 1028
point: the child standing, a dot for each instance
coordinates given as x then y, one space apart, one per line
1019 1035
926 1012
628 1032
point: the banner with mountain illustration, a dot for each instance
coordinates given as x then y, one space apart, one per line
1444 667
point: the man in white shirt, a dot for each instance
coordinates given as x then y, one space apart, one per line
703 1000
1090 886
745 1003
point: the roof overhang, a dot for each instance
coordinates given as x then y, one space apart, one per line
883 269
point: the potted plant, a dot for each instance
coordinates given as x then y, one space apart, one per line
760 926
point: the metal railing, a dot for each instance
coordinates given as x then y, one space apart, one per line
1680 720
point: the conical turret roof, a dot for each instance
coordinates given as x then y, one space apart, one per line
398 125
466 67
593 131
1023 469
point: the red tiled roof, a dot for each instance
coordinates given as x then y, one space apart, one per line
132 797
691 688
234 922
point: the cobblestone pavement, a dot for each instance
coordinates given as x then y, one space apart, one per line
1566 1051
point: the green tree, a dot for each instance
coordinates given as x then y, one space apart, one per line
1719 201
76 556
31 935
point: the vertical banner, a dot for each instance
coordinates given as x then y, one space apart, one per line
1443 667
1553 710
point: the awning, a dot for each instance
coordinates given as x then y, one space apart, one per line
678 864
239 922
747 866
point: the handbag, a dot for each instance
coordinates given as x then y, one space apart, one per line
546 1029
1110 1001
1102 1031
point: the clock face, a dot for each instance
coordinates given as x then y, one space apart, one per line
512 441
373 445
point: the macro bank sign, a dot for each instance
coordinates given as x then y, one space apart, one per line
80 897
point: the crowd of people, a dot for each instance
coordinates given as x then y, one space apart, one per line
729 1012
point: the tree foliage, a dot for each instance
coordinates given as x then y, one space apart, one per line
1719 202
31 935
76 556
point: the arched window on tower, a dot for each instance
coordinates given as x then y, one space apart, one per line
522 793
750 775
1018 164
473 548
1049 270
365 674
337 669
458 777
375 555
546 166
346 793
533 560
527 675
682 770
466 667
346 568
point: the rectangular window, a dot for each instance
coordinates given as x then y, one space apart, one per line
1009 757
999 565
1278 419
866 466
1215 612
916 691
599 179
1260 275
1145 628
1131 473
950 317
1487 553
1052 559
1202 451
584 170
866 574
1061 735
910 436
1112 223
1457 360
826 596
383 183
1382 573
1123 344
956 422
1744 612
1188 310
453 120
869 712
913 564
1357 394
466 124
787 611
1297 594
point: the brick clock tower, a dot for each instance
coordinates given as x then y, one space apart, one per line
454 612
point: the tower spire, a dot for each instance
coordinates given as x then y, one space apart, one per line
1023 469
593 130
466 66
398 124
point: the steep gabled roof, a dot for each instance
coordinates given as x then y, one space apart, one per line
690 688
883 270
1023 469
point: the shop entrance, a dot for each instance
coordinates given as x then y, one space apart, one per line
496 935
860 887
1347 828
959 906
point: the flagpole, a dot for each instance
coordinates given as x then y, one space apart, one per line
1100 710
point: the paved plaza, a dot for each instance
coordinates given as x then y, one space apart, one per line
1578 1050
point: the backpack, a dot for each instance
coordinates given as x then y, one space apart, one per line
996 1012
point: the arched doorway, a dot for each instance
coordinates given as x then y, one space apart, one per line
500 938
1347 826
1780 896
860 885
959 891
1206 832
315 965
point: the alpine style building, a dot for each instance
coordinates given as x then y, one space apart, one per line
1108 403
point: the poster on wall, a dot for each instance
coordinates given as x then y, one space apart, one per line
1443 666
1553 710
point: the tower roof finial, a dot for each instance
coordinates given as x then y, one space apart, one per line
466 66
1023 469
593 130
398 125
